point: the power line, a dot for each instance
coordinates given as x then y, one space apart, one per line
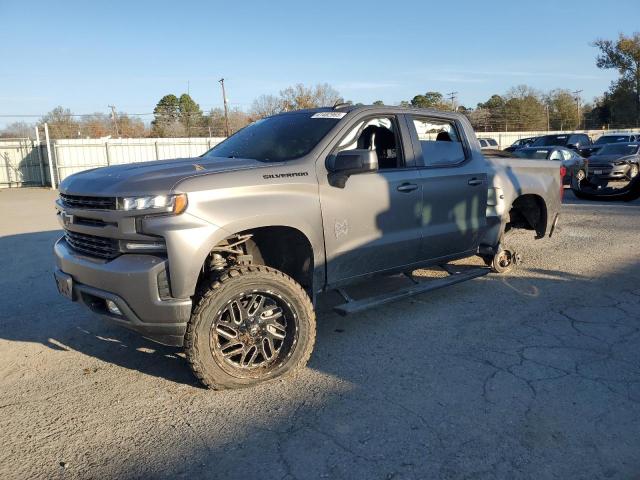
452 96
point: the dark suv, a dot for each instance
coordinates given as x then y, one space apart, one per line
574 141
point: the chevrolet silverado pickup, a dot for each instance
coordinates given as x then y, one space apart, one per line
225 254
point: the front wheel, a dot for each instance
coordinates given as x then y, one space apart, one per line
633 171
251 325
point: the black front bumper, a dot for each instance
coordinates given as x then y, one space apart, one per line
131 282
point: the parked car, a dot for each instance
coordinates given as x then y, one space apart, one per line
615 161
488 143
574 141
523 142
577 166
225 254
606 139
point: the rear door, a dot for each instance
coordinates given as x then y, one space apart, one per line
454 186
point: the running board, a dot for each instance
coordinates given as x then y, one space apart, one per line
355 306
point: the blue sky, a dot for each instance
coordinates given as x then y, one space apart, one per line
87 55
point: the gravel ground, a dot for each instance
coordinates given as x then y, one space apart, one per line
535 374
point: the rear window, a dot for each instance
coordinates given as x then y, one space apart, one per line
279 138
551 141
619 149
612 139
534 153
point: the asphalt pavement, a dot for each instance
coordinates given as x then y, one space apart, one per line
534 374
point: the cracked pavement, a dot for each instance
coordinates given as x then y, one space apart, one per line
534 374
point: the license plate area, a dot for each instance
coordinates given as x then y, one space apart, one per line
64 282
597 172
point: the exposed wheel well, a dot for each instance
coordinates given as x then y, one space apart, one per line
284 248
528 212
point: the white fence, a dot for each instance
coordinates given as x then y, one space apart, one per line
24 162
72 156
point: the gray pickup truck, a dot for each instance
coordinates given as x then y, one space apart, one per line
224 254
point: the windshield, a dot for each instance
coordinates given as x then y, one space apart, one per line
279 138
611 139
618 149
551 140
535 153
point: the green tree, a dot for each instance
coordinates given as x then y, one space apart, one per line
166 116
624 56
430 100
190 113
524 109
563 110
491 114
378 103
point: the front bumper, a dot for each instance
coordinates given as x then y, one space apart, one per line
609 172
131 282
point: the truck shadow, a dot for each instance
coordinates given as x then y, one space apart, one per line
33 311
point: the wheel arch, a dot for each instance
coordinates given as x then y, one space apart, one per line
529 212
287 248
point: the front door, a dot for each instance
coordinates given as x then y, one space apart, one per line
373 223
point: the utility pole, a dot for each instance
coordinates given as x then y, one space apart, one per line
546 108
452 97
577 95
226 109
113 117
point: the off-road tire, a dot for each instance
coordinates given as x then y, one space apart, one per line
212 299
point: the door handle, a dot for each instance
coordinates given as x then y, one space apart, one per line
475 181
407 187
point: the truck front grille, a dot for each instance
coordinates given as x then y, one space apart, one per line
88 203
92 246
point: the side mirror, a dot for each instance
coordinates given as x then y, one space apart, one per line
350 162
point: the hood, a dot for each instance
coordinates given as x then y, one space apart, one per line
608 159
157 177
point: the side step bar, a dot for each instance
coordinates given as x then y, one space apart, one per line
355 306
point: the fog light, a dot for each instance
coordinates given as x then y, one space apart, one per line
113 308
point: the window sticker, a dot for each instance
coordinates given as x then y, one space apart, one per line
329 115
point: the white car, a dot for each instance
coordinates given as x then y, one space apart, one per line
488 144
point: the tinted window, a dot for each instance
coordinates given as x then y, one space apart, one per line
492 142
276 139
440 141
612 139
618 149
533 153
551 140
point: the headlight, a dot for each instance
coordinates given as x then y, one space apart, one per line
619 163
175 204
